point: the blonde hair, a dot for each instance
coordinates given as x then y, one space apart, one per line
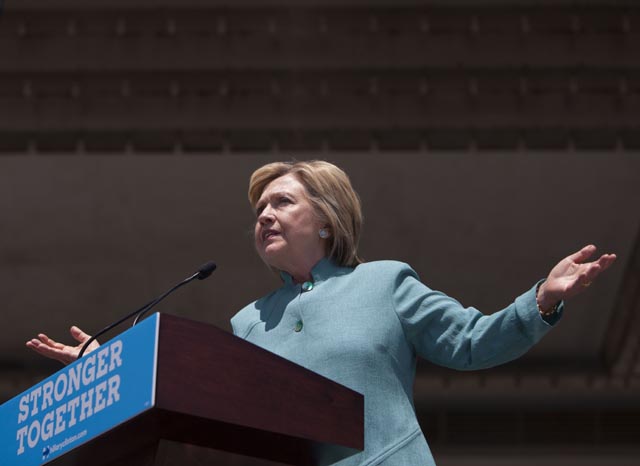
333 198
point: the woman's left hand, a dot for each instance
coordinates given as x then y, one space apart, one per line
571 276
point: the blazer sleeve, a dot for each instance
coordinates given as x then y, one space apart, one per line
448 334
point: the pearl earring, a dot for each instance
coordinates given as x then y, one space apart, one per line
323 233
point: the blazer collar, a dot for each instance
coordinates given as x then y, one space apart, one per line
323 270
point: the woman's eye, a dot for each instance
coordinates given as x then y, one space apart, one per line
274 203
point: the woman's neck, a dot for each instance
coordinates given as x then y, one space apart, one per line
302 273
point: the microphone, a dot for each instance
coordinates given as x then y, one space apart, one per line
202 273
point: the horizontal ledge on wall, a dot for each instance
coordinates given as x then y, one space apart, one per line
330 140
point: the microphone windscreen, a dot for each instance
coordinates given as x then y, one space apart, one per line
206 270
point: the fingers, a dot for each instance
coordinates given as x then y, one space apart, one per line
606 260
78 334
48 351
599 266
44 341
49 348
52 349
593 269
592 272
583 254
49 342
574 274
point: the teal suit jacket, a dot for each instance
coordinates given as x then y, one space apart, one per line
363 327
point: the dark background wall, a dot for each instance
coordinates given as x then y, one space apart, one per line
487 139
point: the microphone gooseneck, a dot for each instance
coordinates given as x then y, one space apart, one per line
202 273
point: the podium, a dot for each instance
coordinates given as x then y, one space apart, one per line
171 379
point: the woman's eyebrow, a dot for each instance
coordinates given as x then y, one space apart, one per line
264 200
276 194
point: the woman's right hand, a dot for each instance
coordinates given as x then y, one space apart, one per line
64 353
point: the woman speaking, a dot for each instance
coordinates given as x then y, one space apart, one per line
364 324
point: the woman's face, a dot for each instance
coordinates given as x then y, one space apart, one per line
286 233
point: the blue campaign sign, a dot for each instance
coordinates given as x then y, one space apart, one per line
85 399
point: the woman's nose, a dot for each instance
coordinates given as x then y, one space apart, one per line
266 216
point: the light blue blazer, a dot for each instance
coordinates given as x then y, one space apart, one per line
363 327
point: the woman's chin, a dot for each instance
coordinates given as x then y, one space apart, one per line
272 254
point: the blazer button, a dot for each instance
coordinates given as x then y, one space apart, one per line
298 326
307 286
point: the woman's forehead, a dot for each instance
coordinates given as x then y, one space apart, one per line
284 184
